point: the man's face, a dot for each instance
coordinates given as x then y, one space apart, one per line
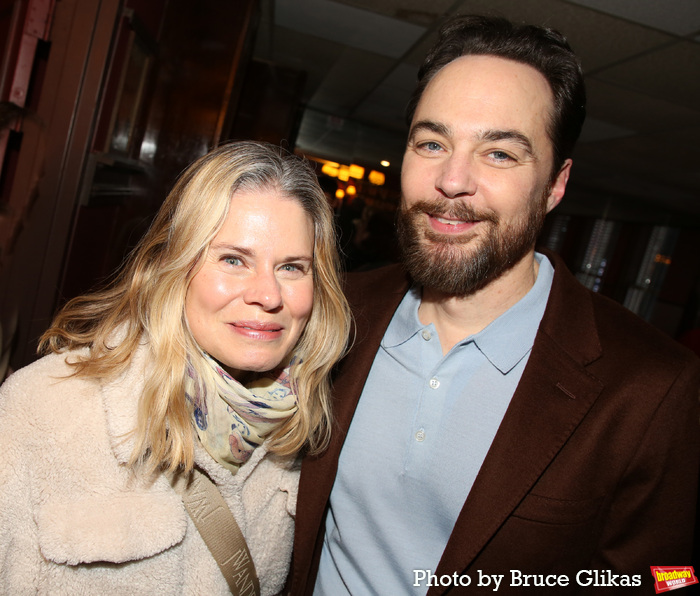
476 173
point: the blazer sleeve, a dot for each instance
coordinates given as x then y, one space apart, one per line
652 515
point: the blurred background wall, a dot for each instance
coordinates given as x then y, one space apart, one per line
104 102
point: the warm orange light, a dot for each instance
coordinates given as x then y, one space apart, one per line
357 172
351 190
344 173
376 177
339 194
330 169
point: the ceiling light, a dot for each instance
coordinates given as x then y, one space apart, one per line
376 177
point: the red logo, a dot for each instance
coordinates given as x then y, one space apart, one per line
672 578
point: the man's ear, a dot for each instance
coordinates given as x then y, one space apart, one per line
558 188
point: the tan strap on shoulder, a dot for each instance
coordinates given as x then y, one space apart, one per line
220 532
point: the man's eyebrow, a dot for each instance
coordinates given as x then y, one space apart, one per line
509 135
488 135
429 126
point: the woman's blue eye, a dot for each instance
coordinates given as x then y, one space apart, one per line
232 261
291 267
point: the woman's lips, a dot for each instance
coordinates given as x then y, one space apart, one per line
257 329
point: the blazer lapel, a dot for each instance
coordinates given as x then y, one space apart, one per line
553 396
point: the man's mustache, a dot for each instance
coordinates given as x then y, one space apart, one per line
452 209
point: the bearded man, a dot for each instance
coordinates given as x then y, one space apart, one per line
495 418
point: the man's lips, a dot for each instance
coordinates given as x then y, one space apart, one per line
449 220
449 225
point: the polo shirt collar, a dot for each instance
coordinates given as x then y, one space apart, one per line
504 342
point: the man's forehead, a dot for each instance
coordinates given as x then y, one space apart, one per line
493 67
489 76
487 93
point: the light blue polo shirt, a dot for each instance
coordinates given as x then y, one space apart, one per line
420 433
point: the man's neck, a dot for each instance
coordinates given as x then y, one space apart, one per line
457 317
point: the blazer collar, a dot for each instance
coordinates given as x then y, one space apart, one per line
374 298
569 319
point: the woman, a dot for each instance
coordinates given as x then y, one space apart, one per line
236 283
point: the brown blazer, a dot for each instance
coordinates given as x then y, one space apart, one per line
594 466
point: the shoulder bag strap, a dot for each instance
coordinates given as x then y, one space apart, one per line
220 532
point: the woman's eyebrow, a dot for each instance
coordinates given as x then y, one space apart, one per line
247 252
223 246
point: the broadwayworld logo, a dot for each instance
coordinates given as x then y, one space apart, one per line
672 578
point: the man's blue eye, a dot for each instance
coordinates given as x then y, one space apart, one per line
501 156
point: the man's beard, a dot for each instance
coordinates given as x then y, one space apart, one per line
461 265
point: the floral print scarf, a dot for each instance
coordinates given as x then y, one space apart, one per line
232 419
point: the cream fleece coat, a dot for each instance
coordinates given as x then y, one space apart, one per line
75 520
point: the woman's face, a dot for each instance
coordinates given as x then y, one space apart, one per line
250 301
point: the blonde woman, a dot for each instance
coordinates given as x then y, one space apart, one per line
210 351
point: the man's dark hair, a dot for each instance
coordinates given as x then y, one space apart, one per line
544 49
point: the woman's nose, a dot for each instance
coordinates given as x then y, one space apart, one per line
263 289
457 177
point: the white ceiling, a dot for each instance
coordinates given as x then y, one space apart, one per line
638 156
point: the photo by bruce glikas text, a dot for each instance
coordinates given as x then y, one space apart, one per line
585 578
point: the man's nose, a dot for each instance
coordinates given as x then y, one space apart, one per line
457 176
263 289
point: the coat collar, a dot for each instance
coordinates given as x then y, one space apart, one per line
120 397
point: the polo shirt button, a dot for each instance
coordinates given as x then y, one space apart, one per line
425 334
434 383
420 435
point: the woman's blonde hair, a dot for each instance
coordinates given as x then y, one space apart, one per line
146 304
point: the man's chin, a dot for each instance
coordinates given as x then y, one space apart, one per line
456 250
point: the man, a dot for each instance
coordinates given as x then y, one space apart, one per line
499 427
